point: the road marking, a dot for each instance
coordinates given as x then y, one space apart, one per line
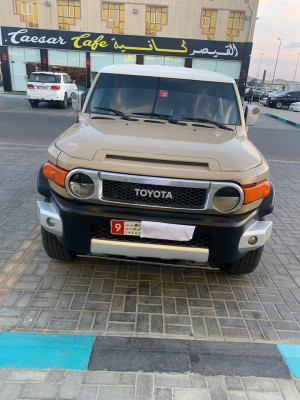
286 161
291 355
23 145
41 351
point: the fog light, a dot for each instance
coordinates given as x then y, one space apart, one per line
252 240
50 222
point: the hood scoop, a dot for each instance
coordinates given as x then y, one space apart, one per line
109 157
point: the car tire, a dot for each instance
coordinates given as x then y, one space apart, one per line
54 249
34 103
278 105
64 103
245 265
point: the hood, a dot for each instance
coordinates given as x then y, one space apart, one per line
94 138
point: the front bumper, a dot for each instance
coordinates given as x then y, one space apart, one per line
228 237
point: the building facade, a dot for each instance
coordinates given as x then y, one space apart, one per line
208 34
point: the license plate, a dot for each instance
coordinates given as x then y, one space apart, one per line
130 228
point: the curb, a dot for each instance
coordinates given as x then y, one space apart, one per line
131 354
295 124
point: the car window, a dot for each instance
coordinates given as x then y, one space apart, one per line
65 78
177 98
43 78
69 80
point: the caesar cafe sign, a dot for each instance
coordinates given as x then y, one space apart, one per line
98 42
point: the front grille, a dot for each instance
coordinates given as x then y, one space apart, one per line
126 192
103 233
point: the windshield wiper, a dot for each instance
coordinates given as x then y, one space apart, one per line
208 121
162 116
116 112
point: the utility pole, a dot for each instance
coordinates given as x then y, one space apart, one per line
296 67
277 58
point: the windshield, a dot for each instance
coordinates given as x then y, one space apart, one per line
44 78
180 99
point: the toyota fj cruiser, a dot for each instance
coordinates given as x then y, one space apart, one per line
158 166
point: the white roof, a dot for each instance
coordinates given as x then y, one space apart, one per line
167 72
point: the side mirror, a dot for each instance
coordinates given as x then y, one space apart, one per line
78 98
73 81
251 115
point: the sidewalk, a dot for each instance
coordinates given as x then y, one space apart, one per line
283 115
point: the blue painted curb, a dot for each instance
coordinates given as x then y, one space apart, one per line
283 120
291 355
42 351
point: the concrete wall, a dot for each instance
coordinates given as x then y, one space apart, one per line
183 17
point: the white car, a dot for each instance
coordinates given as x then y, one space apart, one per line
295 106
50 87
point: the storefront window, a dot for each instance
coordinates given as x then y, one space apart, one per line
230 68
23 61
71 62
208 65
100 60
154 60
164 60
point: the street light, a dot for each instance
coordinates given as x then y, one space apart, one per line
261 55
277 58
296 67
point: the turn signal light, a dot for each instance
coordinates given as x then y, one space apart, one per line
54 173
256 191
55 87
30 86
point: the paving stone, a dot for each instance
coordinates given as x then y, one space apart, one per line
288 389
198 381
40 391
217 388
233 383
27 375
55 376
163 394
191 394
116 393
88 393
10 391
100 378
127 378
71 385
172 380
145 387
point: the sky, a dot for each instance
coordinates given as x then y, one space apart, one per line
276 19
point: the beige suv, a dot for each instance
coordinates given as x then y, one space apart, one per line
158 167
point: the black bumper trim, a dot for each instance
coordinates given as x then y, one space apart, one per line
223 231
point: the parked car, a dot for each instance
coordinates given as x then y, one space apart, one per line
257 93
284 99
270 93
295 106
159 166
50 87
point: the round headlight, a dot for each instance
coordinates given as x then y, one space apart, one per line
226 199
81 186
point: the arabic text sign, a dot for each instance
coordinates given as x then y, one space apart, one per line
98 42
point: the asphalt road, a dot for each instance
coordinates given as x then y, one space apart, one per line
22 124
